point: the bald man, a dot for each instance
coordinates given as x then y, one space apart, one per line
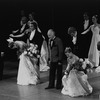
55 48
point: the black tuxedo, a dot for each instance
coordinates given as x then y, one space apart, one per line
56 49
24 37
20 30
74 47
55 56
37 39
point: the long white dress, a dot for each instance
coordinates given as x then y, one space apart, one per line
75 84
28 72
44 57
93 54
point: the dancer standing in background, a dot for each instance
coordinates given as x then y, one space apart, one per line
20 36
31 20
93 54
86 21
20 33
73 33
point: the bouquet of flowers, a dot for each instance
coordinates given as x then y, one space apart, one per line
83 65
87 65
78 64
32 51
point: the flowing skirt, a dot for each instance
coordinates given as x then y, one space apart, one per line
28 72
44 57
76 84
97 70
93 54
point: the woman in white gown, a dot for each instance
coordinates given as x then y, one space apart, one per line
74 81
93 54
28 72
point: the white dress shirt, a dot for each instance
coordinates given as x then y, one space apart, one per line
32 34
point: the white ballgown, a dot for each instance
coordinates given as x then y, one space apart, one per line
93 54
97 69
75 84
44 57
28 72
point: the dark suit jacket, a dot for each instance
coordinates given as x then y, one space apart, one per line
24 37
56 50
37 39
26 27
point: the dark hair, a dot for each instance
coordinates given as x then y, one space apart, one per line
71 30
35 24
85 15
24 18
96 16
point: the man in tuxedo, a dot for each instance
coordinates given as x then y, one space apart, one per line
55 48
19 34
35 36
73 40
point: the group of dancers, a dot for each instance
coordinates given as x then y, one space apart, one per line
25 39
74 82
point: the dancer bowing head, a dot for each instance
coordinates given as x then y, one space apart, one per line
73 33
75 80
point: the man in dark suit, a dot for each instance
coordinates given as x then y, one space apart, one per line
73 40
19 34
55 47
35 36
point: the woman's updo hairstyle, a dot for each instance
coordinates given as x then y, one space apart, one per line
68 50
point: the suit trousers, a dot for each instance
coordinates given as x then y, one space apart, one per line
55 70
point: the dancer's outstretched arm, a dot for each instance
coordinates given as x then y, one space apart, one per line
86 30
17 35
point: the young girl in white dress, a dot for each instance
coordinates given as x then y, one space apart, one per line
93 54
74 81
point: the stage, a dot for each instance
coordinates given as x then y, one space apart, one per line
9 90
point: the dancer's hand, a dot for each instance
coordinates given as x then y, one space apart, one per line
83 33
11 35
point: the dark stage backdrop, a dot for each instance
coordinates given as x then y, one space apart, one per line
56 14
